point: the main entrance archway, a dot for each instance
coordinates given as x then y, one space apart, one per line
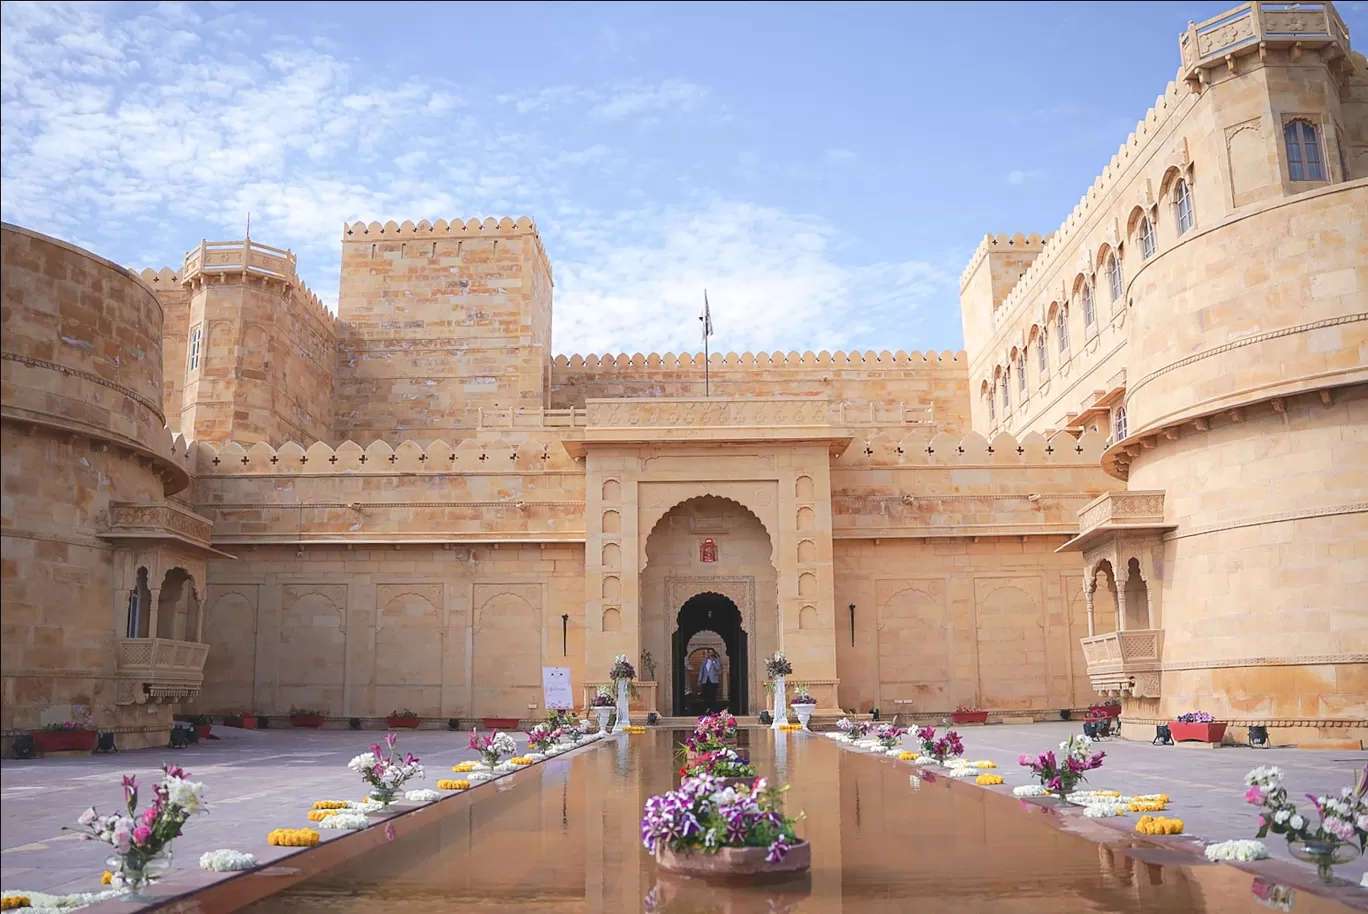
702 622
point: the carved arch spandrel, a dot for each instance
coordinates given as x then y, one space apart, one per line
659 499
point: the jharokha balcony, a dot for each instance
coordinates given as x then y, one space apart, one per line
1126 662
159 669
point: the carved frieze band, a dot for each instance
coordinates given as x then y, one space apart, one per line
1310 660
1357 508
706 413
1247 341
292 506
154 408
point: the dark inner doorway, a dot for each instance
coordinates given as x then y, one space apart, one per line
711 612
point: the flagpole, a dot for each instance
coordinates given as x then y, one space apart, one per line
707 385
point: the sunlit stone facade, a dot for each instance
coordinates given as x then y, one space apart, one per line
1146 477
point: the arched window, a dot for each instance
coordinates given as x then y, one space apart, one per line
1146 238
1062 331
1182 206
992 405
1089 313
1007 390
1303 151
1021 373
1114 278
1119 424
1042 359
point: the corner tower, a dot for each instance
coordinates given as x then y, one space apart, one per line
440 321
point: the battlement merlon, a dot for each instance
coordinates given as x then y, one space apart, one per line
864 361
1002 241
456 229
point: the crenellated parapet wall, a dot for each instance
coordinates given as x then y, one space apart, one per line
490 227
868 360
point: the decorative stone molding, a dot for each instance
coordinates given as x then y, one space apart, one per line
1308 660
154 408
709 412
159 522
1125 663
159 669
1356 508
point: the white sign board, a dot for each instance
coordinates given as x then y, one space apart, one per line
556 686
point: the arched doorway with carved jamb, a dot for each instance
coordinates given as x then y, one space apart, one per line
701 616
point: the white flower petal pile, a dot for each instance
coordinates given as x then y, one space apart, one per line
227 861
43 903
422 796
1104 810
1029 790
1239 849
344 820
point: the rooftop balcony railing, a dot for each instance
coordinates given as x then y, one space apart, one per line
160 669
1125 663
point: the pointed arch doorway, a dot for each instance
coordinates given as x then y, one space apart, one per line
709 621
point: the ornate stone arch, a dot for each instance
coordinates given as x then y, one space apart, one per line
754 498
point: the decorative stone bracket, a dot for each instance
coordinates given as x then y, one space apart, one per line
159 669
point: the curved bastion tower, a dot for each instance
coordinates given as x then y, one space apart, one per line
1205 306
221 497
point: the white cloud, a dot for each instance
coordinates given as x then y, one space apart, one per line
841 156
1019 177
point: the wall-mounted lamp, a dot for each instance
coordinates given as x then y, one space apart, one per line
565 627
852 624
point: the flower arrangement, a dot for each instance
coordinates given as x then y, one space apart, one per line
493 746
719 763
345 821
542 737
649 665
559 718
292 837
801 696
1240 849
386 772
318 815
603 698
1062 776
306 712
67 725
709 735
939 750
988 780
889 735
331 804
578 730
853 730
140 836
1195 717
622 669
446 784
463 767
1343 819
778 665
1158 825
406 713
702 816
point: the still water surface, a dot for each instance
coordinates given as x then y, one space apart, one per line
563 837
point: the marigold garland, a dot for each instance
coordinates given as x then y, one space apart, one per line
791 728
988 780
446 784
1159 825
908 756
292 837
635 730
1147 806
520 760
1152 798
13 902
331 804
318 815
106 878
985 765
463 767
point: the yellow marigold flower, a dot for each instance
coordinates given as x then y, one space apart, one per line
106 878
985 764
14 902
318 815
520 760
1147 806
446 784
1159 825
292 837
330 804
908 756
1108 793
988 780
463 767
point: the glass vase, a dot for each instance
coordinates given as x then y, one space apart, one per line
384 795
138 872
1325 853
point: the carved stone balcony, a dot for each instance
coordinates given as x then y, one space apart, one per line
1136 511
1257 27
1125 663
159 669
246 257
167 521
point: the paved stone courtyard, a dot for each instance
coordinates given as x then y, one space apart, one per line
260 780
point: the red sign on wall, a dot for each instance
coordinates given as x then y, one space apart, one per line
707 551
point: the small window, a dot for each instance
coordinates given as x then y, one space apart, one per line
1062 331
1303 151
1042 358
1119 424
1114 278
1182 205
1021 374
992 406
196 334
1007 390
1089 313
1147 244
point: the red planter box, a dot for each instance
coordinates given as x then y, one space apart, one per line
306 720
402 723
1104 711
65 740
203 730
969 717
249 722
1205 733
500 723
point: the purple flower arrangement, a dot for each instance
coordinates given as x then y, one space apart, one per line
854 730
622 669
889 735
703 816
1342 818
69 725
947 747
1062 777
778 665
720 763
1195 717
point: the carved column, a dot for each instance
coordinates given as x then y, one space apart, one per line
1089 585
155 601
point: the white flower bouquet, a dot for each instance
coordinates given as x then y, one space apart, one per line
386 772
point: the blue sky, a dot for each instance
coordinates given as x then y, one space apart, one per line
824 170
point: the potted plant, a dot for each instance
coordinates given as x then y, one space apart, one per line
803 703
603 706
1062 776
706 831
722 763
938 751
712 733
384 770
68 736
492 747
142 841
203 723
776 669
967 715
1197 725
241 719
1108 708
542 737
1343 830
300 717
405 718
889 736
622 674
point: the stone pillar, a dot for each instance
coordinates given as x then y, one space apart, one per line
612 595
1088 596
154 602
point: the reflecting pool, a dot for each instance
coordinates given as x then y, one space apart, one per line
563 836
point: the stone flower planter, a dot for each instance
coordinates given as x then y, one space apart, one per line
202 731
803 710
306 720
1206 733
65 740
969 717
402 723
734 863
